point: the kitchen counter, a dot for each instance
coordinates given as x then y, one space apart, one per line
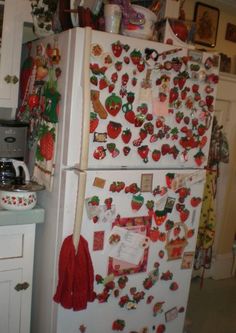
11 217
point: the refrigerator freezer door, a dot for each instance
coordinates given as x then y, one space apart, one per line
141 227
150 105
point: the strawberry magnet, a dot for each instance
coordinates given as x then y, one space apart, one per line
137 202
113 104
113 129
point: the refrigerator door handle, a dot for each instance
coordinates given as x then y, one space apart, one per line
79 209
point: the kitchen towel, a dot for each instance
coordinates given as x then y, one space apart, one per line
45 154
76 276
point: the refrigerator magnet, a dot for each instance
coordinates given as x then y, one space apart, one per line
170 202
96 50
98 240
187 261
107 215
171 314
157 308
146 182
99 182
92 209
82 328
99 137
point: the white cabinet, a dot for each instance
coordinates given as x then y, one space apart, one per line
16 270
15 14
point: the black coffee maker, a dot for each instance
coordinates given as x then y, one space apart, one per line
13 148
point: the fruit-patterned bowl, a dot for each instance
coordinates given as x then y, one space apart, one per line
19 197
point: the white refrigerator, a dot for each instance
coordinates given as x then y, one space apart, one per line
132 143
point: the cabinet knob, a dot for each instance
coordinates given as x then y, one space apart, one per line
22 286
11 79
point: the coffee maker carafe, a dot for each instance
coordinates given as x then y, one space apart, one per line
13 171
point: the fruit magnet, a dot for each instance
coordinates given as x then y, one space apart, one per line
176 241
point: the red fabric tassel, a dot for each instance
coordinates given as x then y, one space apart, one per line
76 276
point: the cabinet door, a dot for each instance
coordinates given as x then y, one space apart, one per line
10 300
15 13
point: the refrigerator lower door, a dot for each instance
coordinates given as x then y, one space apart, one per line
141 228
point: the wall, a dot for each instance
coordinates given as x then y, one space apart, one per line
227 15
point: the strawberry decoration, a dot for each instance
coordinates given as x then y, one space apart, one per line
177 64
134 81
103 83
122 281
94 201
113 129
174 94
114 77
199 158
118 66
157 308
190 233
149 299
111 87
135 56
179 116
203 141
184 214
139 120
160 328
124 79
130 116
99 153
209 100
126 135
111 147
156 155
169 179
143 153
195 201
137 202
169 225
117 186
161 254
117 48
152 277
126 60
94 80
201 129
93 122
143 134
141 66
113 104
160 217
118 325
166 276
174 286
130 97
182 78
45 147
126 150
132 188
154 234
108 202
149 127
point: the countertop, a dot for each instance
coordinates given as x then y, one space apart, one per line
16 217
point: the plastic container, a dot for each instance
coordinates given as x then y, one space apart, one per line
144 28
112 16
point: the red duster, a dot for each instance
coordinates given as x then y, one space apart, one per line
76 276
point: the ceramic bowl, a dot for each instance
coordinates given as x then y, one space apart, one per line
19 196
13 200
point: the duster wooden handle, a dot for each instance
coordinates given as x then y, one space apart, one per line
79 209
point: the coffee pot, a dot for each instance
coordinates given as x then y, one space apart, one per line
10 171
